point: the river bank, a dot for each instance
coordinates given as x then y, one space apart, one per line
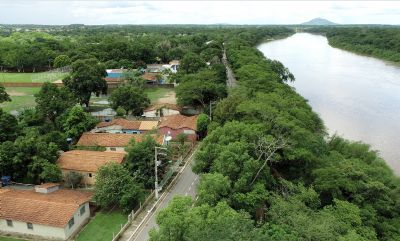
356 96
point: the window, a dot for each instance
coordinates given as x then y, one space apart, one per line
29 225
71 222
113 148
90 174
9 223
83 210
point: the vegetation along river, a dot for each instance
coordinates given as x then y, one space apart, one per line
358 97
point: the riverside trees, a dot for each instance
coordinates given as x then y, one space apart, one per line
267 153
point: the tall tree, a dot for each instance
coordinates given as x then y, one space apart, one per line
52 101
76 121
132 99
61 61
9 128
4 95
87 77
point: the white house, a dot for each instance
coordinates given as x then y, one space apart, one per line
47 212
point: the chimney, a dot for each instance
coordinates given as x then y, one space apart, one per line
47 188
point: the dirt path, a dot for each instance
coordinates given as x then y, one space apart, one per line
169 98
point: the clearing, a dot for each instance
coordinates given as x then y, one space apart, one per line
21 97
102 226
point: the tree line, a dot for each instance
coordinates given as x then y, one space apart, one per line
379 42
270 171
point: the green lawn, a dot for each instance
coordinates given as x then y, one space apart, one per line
21 97
31 77
102 226
10 239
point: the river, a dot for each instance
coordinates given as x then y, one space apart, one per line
358 97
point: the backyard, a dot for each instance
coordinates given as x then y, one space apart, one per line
102 226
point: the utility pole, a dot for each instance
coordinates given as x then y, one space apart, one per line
156 164
211 102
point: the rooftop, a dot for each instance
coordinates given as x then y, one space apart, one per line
130 124
179 121
112 140
88 161
52 209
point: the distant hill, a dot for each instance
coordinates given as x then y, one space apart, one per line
319 21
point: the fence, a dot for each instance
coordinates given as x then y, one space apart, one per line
19 84
132 216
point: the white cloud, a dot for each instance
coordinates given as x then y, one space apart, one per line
196 12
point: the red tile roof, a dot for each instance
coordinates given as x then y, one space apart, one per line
87 161
179 122
52 209
112 140
130 124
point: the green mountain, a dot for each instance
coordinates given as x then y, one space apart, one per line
318 21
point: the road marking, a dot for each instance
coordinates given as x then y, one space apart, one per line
186 194
190 188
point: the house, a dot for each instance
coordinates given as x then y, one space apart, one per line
104 115
114 77
113 142
174 65
161 109
176 124
121 125
154 68
46 212
87 162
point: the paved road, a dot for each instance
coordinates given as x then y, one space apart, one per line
231 80
185 185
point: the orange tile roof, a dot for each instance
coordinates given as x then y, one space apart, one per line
130 124
112 140
163 105
179 121
52 209
87 161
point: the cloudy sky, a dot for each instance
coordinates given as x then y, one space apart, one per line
196 12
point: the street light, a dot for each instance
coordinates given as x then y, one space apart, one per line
156 164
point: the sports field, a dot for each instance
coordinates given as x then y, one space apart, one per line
31 77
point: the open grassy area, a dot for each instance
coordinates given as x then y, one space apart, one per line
157 93
10 239
102 226
31 77
21 97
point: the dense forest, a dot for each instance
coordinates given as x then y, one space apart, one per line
380 42
269 171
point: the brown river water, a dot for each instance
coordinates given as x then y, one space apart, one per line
358 97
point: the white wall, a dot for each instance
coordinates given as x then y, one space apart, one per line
79 220
38 229
116 149
47 231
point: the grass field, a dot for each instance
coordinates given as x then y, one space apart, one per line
21 97
102 226
10 239
31 77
